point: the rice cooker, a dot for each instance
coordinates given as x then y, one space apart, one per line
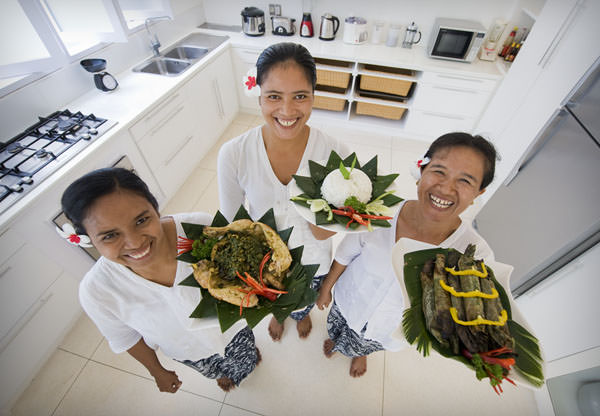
253 21
355 30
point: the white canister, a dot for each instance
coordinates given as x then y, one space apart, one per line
377 32
355 30
393 34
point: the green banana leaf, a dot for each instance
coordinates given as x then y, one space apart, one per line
311 187
528 361
297 282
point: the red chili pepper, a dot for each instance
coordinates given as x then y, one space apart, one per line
257 288
350 212
184 245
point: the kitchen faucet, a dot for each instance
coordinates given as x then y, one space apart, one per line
154 42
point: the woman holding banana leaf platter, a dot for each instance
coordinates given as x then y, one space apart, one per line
367 300
257 166
133 292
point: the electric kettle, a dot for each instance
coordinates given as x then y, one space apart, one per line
329 27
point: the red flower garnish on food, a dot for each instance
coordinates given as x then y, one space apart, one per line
251 83
184 245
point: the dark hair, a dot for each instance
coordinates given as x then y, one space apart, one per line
477 143
282 52
81 194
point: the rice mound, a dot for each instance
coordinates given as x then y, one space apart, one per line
336 189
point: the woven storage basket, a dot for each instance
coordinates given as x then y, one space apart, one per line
333 78
387 85
378 110
329 103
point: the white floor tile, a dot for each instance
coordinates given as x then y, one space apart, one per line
50 385
233 130
83 339
190 192
235 411
433 385
295 378
245 118
193 382
102 390
209 200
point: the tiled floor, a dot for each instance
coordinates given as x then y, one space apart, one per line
84 377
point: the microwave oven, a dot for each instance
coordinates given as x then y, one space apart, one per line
455 39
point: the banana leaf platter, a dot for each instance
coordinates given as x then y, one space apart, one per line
297 282
307 186
528 369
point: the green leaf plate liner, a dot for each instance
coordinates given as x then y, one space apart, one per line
529 361
297 282
311 187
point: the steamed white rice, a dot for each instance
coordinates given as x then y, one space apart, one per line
336 189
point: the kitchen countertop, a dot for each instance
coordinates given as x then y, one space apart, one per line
137 92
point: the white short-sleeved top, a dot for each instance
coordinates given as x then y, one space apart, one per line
368 290
126 307
245 174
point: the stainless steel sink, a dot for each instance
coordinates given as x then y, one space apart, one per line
181 55
162 66
186 52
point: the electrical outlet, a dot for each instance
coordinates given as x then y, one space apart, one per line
275 9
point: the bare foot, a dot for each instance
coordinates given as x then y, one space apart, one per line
225 383
328 347
275 329
358 366
304 326
258 356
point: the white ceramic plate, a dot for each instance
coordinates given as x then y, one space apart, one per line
502 273
308 215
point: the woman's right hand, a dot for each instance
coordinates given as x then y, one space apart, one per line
167 381
324 298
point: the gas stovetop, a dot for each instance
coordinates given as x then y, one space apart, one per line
32 156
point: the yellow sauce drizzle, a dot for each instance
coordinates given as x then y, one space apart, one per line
471 294
473 272
479 320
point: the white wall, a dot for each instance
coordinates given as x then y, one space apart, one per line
21 108
422 12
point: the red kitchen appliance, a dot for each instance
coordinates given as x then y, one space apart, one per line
306 27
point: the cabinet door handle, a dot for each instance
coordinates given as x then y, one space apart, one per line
164 103
186 141
443 115
460 78
6 270
559 35
219 101
455 89
166 119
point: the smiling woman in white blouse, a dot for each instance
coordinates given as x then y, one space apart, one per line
367 302
256 167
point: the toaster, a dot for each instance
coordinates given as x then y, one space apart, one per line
283 26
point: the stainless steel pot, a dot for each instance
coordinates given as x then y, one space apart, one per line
253 21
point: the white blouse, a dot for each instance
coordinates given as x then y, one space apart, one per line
245 174
126 307
368 290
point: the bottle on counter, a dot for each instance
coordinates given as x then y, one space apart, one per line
508 42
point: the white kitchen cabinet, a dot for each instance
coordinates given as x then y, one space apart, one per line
49 319
243 60
175 134
433 124
23 278
559 51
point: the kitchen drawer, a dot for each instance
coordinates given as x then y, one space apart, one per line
459 81
10 242
169 136
23 278
248 56
180 162
433 125
450 100
159 115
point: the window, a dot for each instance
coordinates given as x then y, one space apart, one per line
40 36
